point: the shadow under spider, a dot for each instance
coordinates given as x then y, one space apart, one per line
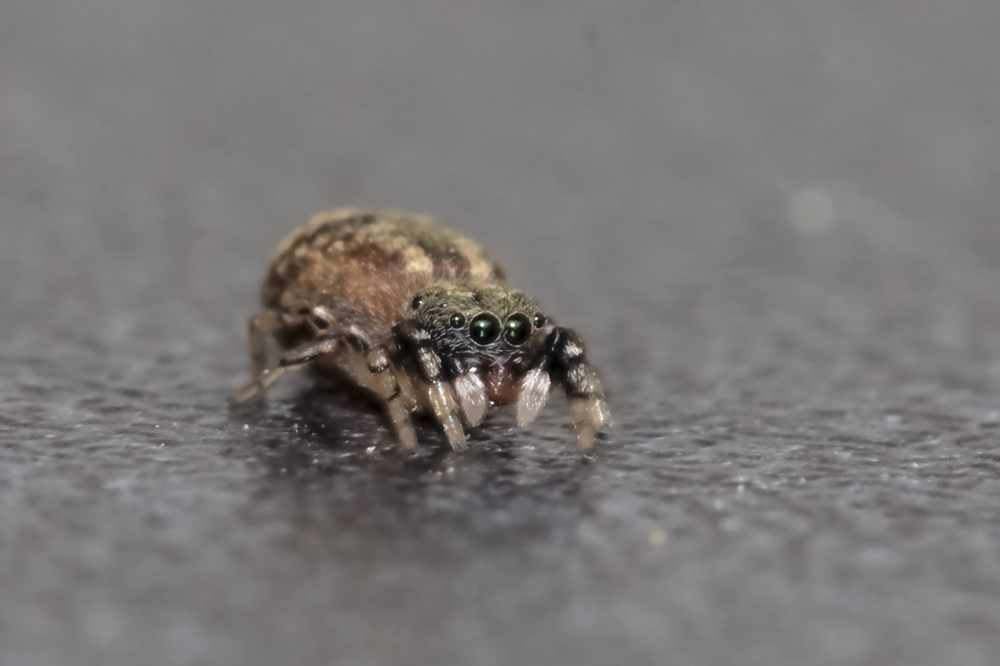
331 448
332 426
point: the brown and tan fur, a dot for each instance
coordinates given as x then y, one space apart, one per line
393 299
364 265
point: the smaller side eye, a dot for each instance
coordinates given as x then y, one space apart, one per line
457 320
517 330
416 302
539 321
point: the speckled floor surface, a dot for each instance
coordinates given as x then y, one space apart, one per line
774 222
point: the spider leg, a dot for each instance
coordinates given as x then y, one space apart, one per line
416 350
374 370
562 359
292 359
260 384
262 323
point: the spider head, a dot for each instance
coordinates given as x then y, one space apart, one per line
487 329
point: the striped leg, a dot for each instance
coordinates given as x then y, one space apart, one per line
416 351
561 358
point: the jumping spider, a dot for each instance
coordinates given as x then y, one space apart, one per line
423 318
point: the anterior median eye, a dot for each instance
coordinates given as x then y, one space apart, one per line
484 329
517 330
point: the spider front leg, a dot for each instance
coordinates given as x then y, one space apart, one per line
562 359
417 354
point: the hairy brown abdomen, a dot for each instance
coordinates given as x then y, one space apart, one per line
364 265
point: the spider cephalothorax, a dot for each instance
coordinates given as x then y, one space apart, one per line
421 316
477 325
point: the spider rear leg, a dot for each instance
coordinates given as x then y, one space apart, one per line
258 328
259 384
292 359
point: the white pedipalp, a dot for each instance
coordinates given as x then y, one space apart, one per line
471 396
531 396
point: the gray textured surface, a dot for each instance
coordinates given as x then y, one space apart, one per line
775 223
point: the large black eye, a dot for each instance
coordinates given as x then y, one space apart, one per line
457 320
484 329
417 302
517 329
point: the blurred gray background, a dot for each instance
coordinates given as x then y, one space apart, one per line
774 222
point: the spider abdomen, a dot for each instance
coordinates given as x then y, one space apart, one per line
364 265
